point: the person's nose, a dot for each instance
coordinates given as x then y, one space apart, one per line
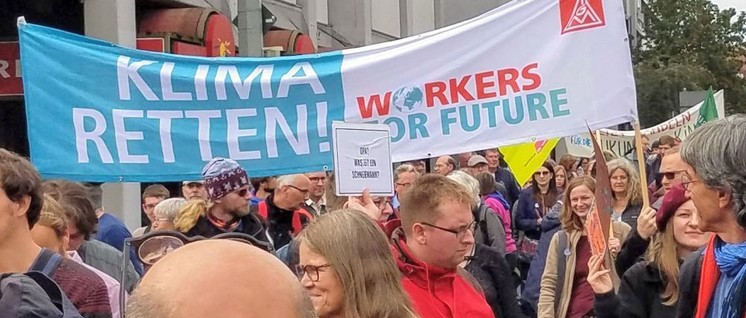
305 281
694 220
468 238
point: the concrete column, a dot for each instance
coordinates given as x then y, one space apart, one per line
439 13
114 21
250 35
111 20
311 17
406 17
353 20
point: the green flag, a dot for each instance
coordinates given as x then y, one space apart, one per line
708 111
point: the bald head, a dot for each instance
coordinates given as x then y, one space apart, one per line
219 278
445 165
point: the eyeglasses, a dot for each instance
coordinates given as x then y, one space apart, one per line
671 174
303 191
542 173
460 232
153 246
381 202
309 270
406 185
243 192
317 179
150 206
685 181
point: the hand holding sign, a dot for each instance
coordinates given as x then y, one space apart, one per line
598 277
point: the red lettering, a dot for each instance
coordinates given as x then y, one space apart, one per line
533 77
459 89
507 77
483 84
366 107
435 90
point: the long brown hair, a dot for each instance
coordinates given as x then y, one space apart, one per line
664 254
634 193
359 253
570 221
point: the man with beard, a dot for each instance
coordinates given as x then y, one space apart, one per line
227 209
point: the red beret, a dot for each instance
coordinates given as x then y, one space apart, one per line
671 202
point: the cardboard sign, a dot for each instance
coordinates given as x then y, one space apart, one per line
362 159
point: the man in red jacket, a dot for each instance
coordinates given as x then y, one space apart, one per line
432 238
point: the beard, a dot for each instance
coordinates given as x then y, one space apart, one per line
240 212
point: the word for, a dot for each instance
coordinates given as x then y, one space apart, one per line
469 118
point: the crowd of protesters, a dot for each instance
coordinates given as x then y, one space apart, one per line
464 240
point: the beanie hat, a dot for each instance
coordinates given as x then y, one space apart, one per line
223 176
671 202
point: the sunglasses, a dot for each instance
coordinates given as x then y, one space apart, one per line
152 247
542 173
243 192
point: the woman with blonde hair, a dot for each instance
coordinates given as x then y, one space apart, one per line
347 268
165 213
625 191
565 292
650 288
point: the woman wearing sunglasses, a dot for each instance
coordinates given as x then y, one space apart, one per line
533 204
347 268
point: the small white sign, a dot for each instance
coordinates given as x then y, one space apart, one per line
362 159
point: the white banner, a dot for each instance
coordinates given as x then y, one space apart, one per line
533 70
620 142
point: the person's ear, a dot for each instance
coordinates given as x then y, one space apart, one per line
725 199
418 233
23 205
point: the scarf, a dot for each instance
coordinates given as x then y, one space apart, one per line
731 260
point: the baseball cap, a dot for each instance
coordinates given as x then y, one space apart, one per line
475 160
193 181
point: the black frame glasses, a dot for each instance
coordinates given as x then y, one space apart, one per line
303 191
460 232
153 246
311 271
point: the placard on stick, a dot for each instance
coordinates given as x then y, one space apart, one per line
362 159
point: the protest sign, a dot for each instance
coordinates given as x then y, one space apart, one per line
620 142
101 112
362 159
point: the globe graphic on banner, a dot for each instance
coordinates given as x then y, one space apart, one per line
407 99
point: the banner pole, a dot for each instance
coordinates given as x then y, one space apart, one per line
641 165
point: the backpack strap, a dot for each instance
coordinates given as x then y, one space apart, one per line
298 222
562 265
483 224
47 262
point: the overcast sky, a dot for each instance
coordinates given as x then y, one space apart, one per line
739 5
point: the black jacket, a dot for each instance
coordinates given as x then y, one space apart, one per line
639 296
491 270
279 222
689 284
632 251
250 225
507 179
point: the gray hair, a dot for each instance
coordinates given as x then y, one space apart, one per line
470 183
405 168
169 208
287 179
717 152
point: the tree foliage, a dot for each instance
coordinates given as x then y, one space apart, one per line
688 45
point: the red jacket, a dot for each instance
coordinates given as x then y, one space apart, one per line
436 292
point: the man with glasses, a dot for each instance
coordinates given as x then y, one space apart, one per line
713 282
283 211
151 196
404 177
433 237
316 201
227 187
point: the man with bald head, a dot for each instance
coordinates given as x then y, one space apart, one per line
445 165
181 284
283 210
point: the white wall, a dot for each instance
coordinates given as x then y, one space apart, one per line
424 16
322 11
386 16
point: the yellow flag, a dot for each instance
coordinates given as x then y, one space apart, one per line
525 159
